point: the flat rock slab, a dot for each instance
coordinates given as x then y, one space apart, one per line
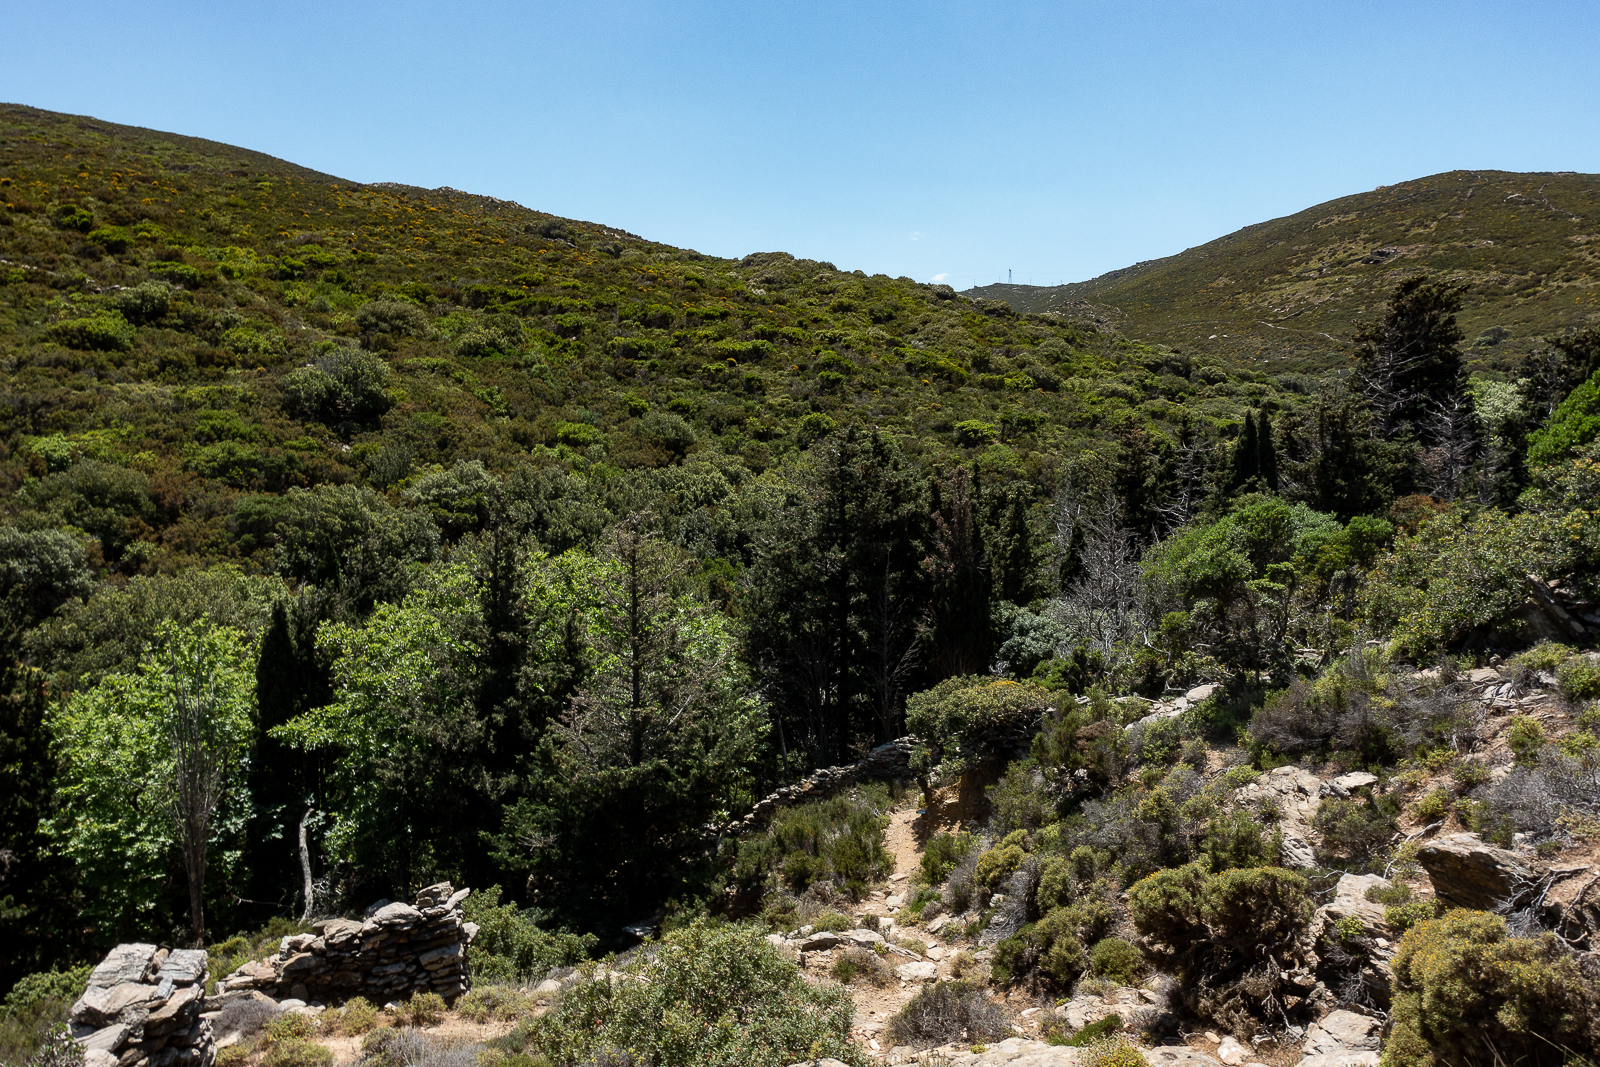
125 963
917 972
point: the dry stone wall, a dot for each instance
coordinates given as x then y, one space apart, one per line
398 950
142 1009
891 759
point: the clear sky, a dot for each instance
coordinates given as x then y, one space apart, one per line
937 139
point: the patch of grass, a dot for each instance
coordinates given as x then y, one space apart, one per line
499 1003
298 1054
859 964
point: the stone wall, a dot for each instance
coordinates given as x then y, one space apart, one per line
891 759
142 1009
398 950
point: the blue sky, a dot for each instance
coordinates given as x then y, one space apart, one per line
936 140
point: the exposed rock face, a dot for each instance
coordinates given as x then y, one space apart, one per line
399 950
1469 873
142 1009
1342 1031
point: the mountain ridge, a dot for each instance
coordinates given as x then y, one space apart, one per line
1332 265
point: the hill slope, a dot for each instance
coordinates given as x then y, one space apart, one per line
1286 294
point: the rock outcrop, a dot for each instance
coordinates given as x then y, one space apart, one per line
1467 872
142 1009
398 950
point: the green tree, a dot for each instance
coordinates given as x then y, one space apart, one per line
1574 424
836 591
1411 356
153 764
658 740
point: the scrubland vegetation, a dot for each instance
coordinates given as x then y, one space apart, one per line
461 542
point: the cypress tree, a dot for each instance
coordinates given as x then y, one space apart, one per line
1266 454
1246 455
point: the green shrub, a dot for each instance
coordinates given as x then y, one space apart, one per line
1057 883
104 331
1116 959
144 303
1242 775
1467 992
290 1026
832 922
510 947
343 383
998 864
175 272
975 432
1404 916
397 318
493 1003
942 854
838 841
1434 806
34 1009
1093 1033
73 217
1053 947
945 1012
423 1009
1580 677
1353 829
1213 932
114 239
1574 423
1526 738
358 1016
1545 656
955 719
298 1054
1116 1051
711 994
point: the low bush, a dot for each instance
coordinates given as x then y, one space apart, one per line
1580 677
246 1018
945 1012
1052 949
711 994
289 1026
390 1047
423 1009
1228 938
36 1006
1354 830
358 1016
511 947
998 864
837 841
1467 992
1115 1051
861 964
1091 1034
493 1003
105 331
1116 959
298 1054
1434 806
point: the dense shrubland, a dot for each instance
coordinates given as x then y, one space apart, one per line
524 553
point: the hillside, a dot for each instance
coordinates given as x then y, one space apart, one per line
505 333
1286 294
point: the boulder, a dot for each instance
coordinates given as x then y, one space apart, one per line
1467 872
1201 692
921 971
1297 852
1179 1056
395 914
819 941
1342 1031
125 963
1341 1059
862 937
1350 902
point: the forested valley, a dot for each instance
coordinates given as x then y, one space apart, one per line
357 538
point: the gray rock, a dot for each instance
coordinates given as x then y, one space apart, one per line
99 1057
863 938
106 1038
1356 780
1297 852
1201 692
1341 1059
125 963
185 965
1342 1031
819 941
917 972
396 914
1179 1056
1229 1051
1468 873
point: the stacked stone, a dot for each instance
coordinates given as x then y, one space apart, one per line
889 760
398 950
142 1009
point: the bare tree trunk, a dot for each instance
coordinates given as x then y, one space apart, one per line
198 769
305 865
